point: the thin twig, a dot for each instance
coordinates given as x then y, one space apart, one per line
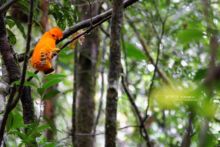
85 32
147 53
125 57
104 31
143 130
156 65
27 44
102 133
86 23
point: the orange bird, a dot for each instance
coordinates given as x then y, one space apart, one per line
45 49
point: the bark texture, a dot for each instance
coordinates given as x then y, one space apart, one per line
86 76
27 105
25 91
49 116
114 74
11 71
4 88
49 104
8 53
14 74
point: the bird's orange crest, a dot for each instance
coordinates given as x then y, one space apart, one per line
56 33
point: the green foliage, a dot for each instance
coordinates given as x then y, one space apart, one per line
51 80
200 74
11 37
189 35
29 133
15 121
63 13
133 52
11 22
183 31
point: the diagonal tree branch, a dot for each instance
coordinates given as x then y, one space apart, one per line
147 53
6 6
84 24
143 130
87 23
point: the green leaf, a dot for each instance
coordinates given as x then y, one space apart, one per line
21 28
52 93
11 37
134 52
19 133
17 83
40 91
189 35
200 74
42 128
54 76
31 84
51 83
32 74
14 121
10 22
51 80
49 144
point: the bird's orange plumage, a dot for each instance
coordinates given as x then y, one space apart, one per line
45 49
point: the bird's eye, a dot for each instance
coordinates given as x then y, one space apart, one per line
53 35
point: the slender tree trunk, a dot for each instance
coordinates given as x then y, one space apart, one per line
49 116
211 77
86 81
7 53
188 132
4 88
28 112
26 98
49 104
14 74
114 74
10 70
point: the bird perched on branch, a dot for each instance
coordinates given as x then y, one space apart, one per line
45 50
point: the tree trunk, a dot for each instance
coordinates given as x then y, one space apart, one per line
28 112
14 74
114 74
86 81
11 70
49 104
4 88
